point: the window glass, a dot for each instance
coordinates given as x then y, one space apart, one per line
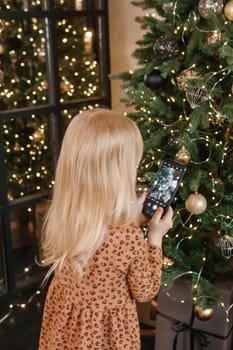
27 155
26 224
22 63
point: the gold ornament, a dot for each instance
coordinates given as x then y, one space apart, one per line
203 314
185 76
196 203
17 147
212 38
228 10
208 7
38 135
167 262
65 86
219 120
183 156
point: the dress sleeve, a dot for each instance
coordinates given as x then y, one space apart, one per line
145 268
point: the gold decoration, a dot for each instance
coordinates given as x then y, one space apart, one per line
167 262
65 86
219 120
212 38
228 10
38 135
183 156
208 7
203 314
185 76
17 147
196 203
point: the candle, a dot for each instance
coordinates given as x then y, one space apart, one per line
88 41
78 5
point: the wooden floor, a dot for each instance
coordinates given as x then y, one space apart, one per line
20 331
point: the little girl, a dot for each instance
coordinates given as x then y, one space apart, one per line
92 239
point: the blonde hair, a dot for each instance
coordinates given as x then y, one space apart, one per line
94 186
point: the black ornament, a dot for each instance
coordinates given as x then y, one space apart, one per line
154 79
166 48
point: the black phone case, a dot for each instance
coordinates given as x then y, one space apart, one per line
164 188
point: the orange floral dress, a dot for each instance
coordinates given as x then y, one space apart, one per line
98 311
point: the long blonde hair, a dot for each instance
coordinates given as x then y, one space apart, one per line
94 186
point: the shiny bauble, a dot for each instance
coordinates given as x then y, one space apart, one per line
154 79
39 136
166 48
213 37
167 262
225 246
183 156
186 75
196 203
203 314
228 10
208 7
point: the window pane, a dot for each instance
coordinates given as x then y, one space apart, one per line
20 5
28 160
78 65
26 226
23 79
79 5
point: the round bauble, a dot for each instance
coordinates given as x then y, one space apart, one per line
213 37
183 156
186 75
154 79
196 203
203 314
166 48
38 135
208 7
225 246
228 10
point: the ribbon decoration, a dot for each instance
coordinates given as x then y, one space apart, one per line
179 327
195 334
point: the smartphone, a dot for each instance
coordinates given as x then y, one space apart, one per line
164 188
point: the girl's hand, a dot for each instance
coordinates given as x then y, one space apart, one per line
159 226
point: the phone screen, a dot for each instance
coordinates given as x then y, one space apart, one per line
164 188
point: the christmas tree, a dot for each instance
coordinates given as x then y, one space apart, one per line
182 98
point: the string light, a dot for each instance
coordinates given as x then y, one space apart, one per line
21 306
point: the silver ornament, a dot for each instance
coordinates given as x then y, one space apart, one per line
196 97
208 7
225 246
